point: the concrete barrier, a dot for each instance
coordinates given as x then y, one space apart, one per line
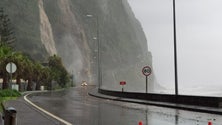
42 88
179 99
15 87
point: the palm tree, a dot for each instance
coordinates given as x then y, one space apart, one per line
26 69
19 60
28 72
37 72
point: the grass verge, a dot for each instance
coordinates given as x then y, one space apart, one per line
8 94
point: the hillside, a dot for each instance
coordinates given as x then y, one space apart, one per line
47 27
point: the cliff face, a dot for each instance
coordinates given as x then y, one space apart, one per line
46 34
46 27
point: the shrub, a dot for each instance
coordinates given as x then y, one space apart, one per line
9 93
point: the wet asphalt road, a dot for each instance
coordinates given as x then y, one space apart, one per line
76 106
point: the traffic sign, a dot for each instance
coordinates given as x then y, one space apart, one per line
11 67
122 82
146 70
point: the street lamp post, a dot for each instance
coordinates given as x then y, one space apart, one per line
175 48
98 47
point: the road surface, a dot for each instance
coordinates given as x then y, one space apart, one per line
77 107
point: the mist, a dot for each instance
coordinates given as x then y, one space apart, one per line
199 28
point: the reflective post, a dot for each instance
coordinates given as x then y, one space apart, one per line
10 116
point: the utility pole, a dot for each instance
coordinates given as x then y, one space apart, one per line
98 48
175 48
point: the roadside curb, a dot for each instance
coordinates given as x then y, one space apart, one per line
210 110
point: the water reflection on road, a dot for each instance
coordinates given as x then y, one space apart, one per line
76 106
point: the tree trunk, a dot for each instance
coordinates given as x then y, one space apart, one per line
5 83
29 87
18 82
37 85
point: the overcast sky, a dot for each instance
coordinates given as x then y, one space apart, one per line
199 39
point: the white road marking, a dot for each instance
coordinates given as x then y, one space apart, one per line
46 112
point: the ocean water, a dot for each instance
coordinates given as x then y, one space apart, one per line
205 90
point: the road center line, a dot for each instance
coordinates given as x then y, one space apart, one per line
46 112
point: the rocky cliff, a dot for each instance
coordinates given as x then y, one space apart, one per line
47 27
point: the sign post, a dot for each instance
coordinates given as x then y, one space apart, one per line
11 68
146 71
122 83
